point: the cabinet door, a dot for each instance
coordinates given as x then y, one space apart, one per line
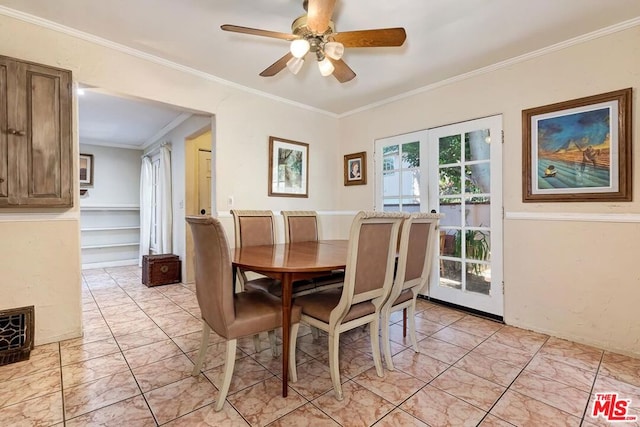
37 138
46 120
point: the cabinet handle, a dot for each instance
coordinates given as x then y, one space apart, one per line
15 132
1 180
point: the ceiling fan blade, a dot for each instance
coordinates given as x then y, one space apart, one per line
319 14
381 37
277 66
257 32
342 71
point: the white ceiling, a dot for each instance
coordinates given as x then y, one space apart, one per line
445 38
117 121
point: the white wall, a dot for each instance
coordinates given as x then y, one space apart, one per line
244 123
573 279
116 176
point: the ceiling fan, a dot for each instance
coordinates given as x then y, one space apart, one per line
315 32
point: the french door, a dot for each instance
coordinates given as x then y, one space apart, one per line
455 170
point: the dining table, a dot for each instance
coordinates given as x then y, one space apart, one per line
288 263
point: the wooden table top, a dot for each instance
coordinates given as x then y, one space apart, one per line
319 255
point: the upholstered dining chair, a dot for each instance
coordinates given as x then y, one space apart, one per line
368 279
302 226
255 228
417 243
231 315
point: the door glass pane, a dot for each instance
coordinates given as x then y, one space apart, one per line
451 274
411 204
390 157
477 212
411 155
450 269
477 178
450 207
450 180
450 149
477 145
478 278
391 184
478 244
391 205
411 183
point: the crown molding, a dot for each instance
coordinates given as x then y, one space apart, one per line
502 64
12 13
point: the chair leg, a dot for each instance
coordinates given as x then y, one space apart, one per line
412 326
229 364
386 344
315 332
334 363
204 342
256 343
240 280
375 345
272 341
293 370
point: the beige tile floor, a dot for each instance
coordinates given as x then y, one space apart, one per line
132 368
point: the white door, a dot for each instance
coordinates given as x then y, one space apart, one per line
455 170
466 186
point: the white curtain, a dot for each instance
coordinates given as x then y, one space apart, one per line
146 188
166 218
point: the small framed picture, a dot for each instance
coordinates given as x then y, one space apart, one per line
86 170
355 168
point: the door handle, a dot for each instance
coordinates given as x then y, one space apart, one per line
15 132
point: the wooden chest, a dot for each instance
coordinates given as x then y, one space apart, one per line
160 269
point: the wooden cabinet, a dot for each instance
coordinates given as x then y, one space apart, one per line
36 163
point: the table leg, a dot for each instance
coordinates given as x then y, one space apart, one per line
286 329
404 322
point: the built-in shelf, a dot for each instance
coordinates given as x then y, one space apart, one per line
110 234
111 245
109 228
110 208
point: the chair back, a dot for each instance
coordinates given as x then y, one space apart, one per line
253 227
300 226
370 260
214 282
417 246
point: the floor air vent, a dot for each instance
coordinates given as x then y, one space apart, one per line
16 334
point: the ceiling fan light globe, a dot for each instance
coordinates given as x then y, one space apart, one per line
334 50
295 64
326 67
299 48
